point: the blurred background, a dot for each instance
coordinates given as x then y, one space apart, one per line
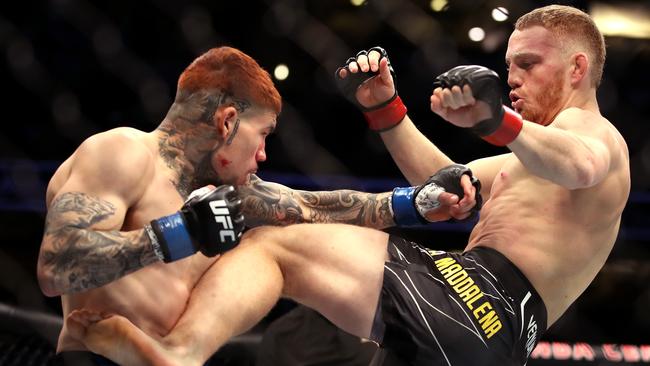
72 68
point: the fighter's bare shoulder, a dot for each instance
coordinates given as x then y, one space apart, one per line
578 118
593 125
119 158
588 123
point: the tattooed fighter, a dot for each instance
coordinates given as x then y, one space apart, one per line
113 206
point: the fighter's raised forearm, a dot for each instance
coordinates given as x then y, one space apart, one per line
415 155
368 81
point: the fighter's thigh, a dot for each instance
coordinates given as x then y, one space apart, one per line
336 269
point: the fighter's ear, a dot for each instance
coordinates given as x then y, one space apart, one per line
579 67
225 120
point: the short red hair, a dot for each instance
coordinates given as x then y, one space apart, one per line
570 25
232 71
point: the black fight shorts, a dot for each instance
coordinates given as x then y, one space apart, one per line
440 308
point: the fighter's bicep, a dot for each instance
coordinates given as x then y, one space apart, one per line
74 206
594 133
101 185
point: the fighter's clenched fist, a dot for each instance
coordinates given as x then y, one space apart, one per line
210 221
470 97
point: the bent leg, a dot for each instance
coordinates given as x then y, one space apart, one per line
335 269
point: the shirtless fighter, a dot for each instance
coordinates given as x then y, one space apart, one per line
113 206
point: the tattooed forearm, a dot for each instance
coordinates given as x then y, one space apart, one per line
350 207
78 258
272 204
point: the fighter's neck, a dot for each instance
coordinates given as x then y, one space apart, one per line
584 100
186 149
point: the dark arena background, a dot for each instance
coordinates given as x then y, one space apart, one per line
72 68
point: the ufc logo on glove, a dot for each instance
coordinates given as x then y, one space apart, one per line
222 216
210 221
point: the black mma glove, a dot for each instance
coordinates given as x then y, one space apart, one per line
505 124
410 204
381 117
210 222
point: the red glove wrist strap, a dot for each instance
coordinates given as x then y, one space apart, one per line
509 129
386 117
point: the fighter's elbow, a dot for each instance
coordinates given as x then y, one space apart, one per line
588 172
47 283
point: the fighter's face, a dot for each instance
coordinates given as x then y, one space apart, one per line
537 74
244 146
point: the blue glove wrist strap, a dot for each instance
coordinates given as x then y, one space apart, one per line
404 211
175 236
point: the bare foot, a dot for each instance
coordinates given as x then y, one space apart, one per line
116 338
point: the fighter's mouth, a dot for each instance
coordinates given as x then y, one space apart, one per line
516 101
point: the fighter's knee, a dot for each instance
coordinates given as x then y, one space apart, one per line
273 241
272 236
262 235
257 233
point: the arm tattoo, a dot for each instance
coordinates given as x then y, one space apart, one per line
81 258
267 203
